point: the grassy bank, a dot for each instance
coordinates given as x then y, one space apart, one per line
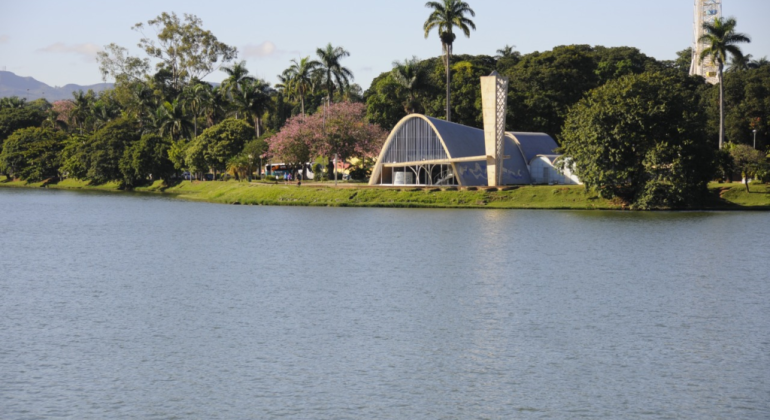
723 196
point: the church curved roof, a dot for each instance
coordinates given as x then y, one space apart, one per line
459 140
533 144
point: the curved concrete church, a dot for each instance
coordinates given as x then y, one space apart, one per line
423 150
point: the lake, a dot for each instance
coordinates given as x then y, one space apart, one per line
128 306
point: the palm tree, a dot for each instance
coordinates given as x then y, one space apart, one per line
171 120
721 39
254 100
82 108
411 77
195 98
143 100
298 78
507 51
739 64
102 112
755 64
237 75
239 166
215 109
334 75
446 15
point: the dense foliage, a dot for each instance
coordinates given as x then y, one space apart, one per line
641 138
32 153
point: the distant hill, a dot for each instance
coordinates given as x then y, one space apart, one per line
28 87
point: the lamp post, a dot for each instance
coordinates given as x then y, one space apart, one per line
755 139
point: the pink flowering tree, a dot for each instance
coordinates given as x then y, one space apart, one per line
348 133
342 129
292 145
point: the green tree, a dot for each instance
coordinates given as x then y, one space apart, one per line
237 77
105 148
196 98
171 120
74 157
253 101
682 62
722 41
747 106
223 141
12 102
750 162
382 108
256 150
32 154
334 75
640 138
298 78
81 110
114 61
507 57
184 48
445 16
195 157
12 119
146 158
411 79
544 85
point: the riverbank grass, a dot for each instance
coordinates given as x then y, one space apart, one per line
729 196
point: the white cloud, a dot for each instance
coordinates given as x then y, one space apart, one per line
86 51
4 39
263 50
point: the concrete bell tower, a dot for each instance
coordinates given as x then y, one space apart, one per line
494 104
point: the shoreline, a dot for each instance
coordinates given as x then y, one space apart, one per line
730 196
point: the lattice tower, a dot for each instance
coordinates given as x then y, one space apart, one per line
494 104
706 11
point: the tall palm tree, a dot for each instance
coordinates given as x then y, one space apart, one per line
411 77
237 75
254 100
298 78
446 15
196 98
334 74
721 39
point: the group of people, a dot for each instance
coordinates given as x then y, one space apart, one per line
287 178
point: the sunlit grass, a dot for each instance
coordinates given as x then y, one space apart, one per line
723 196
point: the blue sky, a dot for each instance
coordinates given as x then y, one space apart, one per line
56 41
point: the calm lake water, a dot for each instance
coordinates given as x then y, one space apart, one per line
135 307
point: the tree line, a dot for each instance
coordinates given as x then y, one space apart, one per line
162 119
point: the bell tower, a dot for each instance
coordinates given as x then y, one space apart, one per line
494 104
